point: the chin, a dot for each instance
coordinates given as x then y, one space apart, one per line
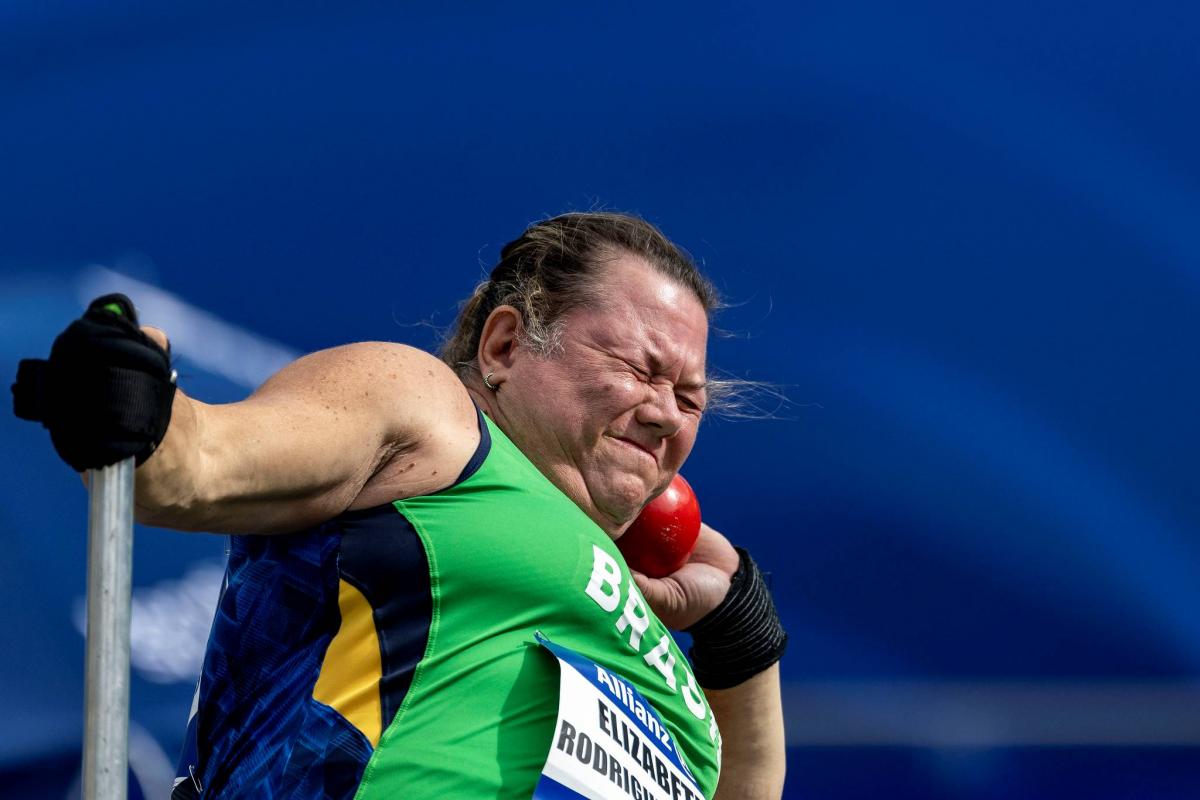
623 509
623 495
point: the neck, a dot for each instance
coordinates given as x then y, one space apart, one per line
484 398
488 403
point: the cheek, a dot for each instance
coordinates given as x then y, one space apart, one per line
611 395
682 443
550 386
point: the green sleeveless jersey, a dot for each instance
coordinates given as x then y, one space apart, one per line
509 556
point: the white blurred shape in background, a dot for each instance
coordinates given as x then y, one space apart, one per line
211 343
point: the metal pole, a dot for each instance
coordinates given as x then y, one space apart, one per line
109 582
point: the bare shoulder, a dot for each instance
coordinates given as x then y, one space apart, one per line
434 427
423 418
357 364
368 377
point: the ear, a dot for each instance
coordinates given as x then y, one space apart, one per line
499 340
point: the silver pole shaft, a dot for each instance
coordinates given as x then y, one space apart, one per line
109 582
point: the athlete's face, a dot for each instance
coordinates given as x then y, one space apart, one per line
612 416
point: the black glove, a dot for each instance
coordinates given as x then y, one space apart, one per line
105 394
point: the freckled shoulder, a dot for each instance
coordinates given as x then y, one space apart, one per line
435 424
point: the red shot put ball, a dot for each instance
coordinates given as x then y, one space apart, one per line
663 536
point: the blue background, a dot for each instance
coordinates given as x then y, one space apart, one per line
961 237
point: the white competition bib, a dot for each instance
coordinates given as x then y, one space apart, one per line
609 742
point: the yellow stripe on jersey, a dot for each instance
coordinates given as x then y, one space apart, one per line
350 674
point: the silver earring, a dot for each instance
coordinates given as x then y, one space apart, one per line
487 381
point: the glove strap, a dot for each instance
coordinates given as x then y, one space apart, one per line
30 391
742 636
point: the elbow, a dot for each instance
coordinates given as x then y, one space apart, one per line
165 503
157 514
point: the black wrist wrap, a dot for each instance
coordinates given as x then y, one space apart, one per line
105 393
741 637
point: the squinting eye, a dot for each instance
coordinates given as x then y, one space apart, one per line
688 403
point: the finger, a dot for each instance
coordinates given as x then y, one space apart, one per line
158 336
647 585
662 595
714 549
671 598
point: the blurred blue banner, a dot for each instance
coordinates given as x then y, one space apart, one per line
960 238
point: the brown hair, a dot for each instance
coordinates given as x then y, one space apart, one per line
554 266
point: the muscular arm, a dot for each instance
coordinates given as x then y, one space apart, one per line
350 427
750 716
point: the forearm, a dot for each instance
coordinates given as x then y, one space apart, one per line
294 453
167 484
218 468
258 466
754 756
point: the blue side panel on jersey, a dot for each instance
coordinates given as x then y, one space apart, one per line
260 733
383 558
327 759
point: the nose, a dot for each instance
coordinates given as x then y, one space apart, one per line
660 411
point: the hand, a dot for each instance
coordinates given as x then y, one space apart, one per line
158 336
684 597
106 391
